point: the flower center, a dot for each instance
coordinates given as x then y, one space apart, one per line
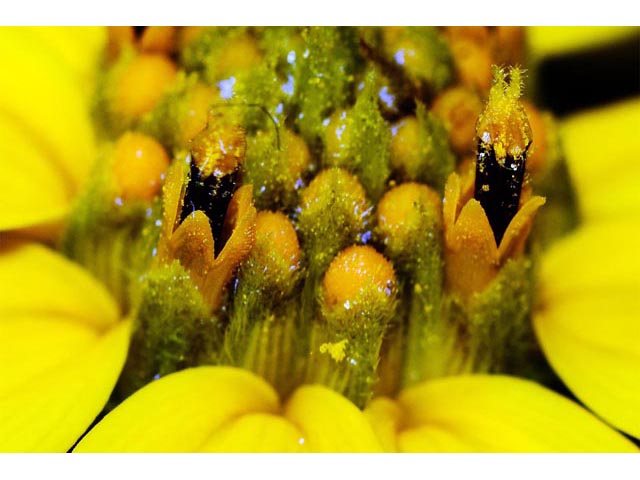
355 272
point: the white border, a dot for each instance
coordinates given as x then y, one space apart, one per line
321 467
318 12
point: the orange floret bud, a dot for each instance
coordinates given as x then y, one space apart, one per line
142 84
198 103
139 163
405 145
240 54
158 39
459 108
358 279
277 250
322 187
405 215
473 63
298 155
476 34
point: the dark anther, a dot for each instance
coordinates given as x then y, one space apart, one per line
498 187
211 195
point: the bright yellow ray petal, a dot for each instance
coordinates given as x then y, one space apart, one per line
31 346
602 149
548 41
595 258
492 413
587 319
434 438
78 47
36 281
256 433
385 417
41 94
61 349
50 412
329 422
32 190
181 412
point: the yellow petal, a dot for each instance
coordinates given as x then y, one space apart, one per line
601 148
61 349
329 422
41 94
32 189
491 413
39 283
256 433
183 411
385 417
434 438
548 41
587 319
51 410
78 47
595 258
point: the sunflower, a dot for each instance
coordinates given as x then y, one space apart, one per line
65 335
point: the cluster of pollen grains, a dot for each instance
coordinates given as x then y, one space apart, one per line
503 125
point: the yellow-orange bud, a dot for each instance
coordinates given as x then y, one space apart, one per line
476 34
459 108
139 163
298 155
158 39
405 145
277 246
405 214
197 107
321 188
240 54
142 84
473 62
359 279
508 45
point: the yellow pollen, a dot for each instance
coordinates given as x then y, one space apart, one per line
504 124
335 350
